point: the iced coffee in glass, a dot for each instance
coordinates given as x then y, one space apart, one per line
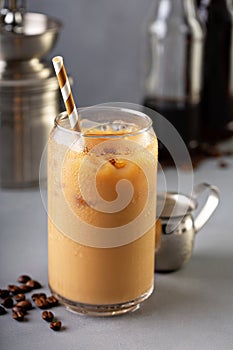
101 210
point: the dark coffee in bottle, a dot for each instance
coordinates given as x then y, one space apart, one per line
217 112
174 79
184 116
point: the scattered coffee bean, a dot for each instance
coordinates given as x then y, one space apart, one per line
229 153
52 300
25 304
25 289
33 284
19 297
38 295
7 302
55 326
18 308
18 316
47 316
3 311
14 289
223 164
23 278
4 293
41 303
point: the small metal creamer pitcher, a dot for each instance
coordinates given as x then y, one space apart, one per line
178 226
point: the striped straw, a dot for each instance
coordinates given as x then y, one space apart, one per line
66 92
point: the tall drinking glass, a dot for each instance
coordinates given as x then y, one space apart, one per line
101 210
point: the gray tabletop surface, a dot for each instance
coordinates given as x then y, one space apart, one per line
189 309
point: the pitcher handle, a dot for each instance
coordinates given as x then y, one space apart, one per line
210 205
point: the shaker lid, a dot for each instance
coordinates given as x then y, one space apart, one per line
25 35
36 39
15 19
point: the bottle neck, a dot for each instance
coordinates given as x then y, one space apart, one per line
190 8
176 8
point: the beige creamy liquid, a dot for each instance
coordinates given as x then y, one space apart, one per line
86 274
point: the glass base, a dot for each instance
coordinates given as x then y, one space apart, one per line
103 310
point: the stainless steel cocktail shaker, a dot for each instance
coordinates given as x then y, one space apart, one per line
29 92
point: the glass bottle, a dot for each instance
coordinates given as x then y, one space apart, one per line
174 68
217 114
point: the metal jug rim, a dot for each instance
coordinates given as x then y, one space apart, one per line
175 205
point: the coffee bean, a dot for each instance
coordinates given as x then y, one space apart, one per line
23 278
4 293
3 311
7 302
19 297
18 308
25 304
38 295
18 316
14 289
47 316
42 303
55 326
25 289
52 300
228 152
223 164
33 284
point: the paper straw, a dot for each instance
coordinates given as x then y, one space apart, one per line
66 92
